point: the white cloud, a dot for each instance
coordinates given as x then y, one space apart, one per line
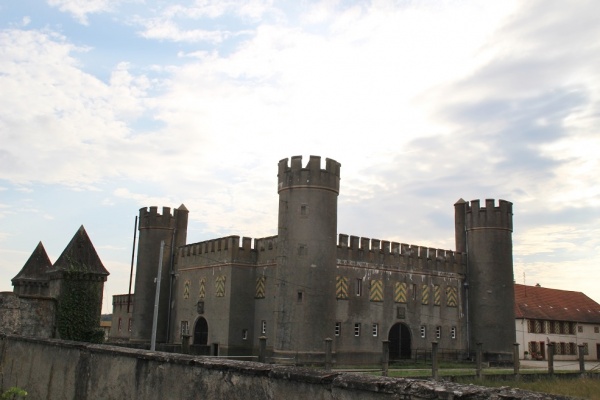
74 125
161 29
80 9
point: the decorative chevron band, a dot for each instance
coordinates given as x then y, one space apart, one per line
437 295
220 286
341 287
376 291
260 287
451 296
425 294
202 291
400 292
186 289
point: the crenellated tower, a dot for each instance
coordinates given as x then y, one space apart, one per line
154 228
306 264
485 234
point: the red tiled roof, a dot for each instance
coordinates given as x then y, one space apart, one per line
534 302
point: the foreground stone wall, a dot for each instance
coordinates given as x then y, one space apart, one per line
56 369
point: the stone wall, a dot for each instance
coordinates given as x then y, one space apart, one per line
56 369
27 315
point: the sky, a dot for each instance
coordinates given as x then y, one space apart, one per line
108 106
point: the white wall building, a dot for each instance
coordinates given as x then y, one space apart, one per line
567 319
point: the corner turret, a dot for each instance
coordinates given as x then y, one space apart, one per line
486 233
33 277
155 227
77 282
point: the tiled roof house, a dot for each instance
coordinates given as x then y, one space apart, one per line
565 318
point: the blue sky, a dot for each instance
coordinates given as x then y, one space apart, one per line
110 106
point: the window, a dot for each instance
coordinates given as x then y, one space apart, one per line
414 291
356 329
338 328
300 296
302 250
423 331
129 324
185 328
244 334
596 329
453 332
120 325
580 328
263 326
586 350
375 329
359 287
304 210
438 332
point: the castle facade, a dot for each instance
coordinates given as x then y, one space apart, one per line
309 283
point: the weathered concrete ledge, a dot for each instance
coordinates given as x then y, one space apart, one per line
57 369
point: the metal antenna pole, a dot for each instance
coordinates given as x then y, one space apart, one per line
131 270
157 297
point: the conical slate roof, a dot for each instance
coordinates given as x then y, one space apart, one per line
36 266
80 256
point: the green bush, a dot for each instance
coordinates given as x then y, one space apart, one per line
13 393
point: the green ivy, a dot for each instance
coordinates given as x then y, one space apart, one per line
79 306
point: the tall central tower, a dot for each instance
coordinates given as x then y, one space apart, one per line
306 264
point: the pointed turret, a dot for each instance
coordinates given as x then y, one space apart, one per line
77 282
80 256
33 277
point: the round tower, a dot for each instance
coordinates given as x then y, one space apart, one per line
487 239
306 263
153 229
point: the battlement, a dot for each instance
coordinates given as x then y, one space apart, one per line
227 249
150 218
490 216
311 176
398 255
122 299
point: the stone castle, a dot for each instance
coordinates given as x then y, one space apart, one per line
308 283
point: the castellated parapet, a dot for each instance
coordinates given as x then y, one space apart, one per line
375 253
150 218
228 250
312 176
490 216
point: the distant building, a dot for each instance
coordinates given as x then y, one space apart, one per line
62 300
566 319
308 283
121 318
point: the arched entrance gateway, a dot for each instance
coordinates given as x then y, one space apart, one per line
399 338
201 332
